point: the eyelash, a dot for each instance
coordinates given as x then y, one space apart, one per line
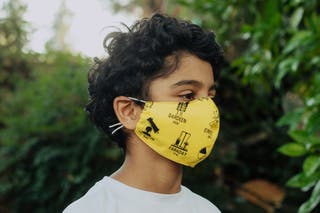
191 96
187 96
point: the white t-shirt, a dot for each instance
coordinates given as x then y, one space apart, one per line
111 196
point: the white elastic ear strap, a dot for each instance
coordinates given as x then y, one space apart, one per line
118 125
135 99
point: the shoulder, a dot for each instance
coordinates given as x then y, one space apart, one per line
201 204
92 201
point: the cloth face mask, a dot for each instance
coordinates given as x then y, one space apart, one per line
183 132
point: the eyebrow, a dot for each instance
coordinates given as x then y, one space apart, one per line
194 83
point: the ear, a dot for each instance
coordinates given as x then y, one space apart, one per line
127 112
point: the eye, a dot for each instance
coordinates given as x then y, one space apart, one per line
187 96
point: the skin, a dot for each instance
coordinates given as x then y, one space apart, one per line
143 168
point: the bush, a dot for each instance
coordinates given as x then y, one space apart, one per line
50 153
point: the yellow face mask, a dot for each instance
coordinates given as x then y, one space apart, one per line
183 132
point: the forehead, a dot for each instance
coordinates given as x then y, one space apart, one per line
190 68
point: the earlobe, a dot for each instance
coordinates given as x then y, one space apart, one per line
127 112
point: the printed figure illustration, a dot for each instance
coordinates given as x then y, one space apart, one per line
182 141
179 147
202 153
153 127
182 107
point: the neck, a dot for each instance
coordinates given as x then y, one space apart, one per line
147 170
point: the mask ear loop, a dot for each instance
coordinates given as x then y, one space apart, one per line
118 125
137 100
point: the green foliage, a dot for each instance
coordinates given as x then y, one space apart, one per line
13 38
291 68
313 201
50 153
293 149
304 47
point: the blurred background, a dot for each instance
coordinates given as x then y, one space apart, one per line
267 157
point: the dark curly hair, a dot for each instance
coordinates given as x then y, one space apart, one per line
151 48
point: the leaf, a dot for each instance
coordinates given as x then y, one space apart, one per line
292 118
315 60
311 164
313 101
313 201
302 181
313 122
285 66
299 39
304 137
296 17
299 136
292 149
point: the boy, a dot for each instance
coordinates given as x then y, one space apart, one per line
153 96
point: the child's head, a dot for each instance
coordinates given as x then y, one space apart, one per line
151 49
